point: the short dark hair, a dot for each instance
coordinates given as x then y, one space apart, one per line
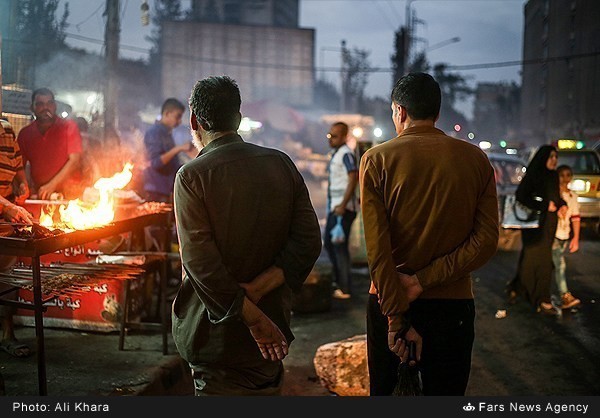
41 92
216 101
419 94
564 167
171 104
344 127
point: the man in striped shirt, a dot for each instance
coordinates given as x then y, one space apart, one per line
11 172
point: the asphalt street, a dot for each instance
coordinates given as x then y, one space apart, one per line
524 353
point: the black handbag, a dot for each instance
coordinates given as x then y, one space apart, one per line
518 216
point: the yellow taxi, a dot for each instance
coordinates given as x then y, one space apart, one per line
585 164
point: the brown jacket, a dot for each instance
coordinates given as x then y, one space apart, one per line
430 208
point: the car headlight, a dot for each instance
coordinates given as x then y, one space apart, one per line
580 186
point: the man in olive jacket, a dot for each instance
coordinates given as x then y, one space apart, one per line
248 237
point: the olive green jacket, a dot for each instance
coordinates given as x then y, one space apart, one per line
239 209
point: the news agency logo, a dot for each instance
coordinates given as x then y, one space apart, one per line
468 407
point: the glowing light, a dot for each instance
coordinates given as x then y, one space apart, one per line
503 144
357 132
580 186
377 132
64 114
471 135
457 127
247 125
511 151
485 144
91 99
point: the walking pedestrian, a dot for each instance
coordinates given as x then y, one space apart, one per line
342 206
539 191
569 223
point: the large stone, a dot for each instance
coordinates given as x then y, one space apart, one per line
342 366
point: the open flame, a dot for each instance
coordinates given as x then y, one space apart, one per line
82 215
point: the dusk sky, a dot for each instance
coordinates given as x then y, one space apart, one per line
490 31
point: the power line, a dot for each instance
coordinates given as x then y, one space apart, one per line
523 62
101 42
88 18
337 69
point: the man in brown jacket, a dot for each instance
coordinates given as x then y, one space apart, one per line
430 215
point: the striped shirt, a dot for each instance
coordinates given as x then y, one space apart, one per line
10 159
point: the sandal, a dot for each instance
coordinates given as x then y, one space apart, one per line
15 348
546 308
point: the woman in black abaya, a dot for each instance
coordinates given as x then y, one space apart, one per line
539 190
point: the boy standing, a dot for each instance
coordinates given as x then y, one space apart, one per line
563 233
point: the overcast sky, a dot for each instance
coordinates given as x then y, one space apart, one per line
490 31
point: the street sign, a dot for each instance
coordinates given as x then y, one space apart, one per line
16 101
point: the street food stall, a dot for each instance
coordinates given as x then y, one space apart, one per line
55 274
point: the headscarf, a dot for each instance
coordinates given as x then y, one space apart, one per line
537 165
539 181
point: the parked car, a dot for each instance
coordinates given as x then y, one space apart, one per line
509 171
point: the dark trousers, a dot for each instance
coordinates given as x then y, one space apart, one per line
339 254
216 380
448 330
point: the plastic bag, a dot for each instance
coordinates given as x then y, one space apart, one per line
337 232
409 377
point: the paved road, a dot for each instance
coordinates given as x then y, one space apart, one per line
525 353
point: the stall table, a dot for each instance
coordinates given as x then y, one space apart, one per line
36 247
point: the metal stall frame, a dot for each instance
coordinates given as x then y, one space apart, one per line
35 248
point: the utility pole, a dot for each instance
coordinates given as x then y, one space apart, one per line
344 78
0 74
111 42
408 34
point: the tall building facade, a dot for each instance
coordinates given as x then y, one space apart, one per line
268 62
496 111
10 46
561 71
281 13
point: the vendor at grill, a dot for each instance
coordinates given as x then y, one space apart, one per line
11 173
13 182
52 146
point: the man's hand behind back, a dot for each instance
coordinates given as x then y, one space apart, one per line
269 338
262 284
411 285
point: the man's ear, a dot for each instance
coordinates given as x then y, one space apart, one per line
193 121
403 113
239 119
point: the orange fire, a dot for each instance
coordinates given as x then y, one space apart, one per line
82 215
